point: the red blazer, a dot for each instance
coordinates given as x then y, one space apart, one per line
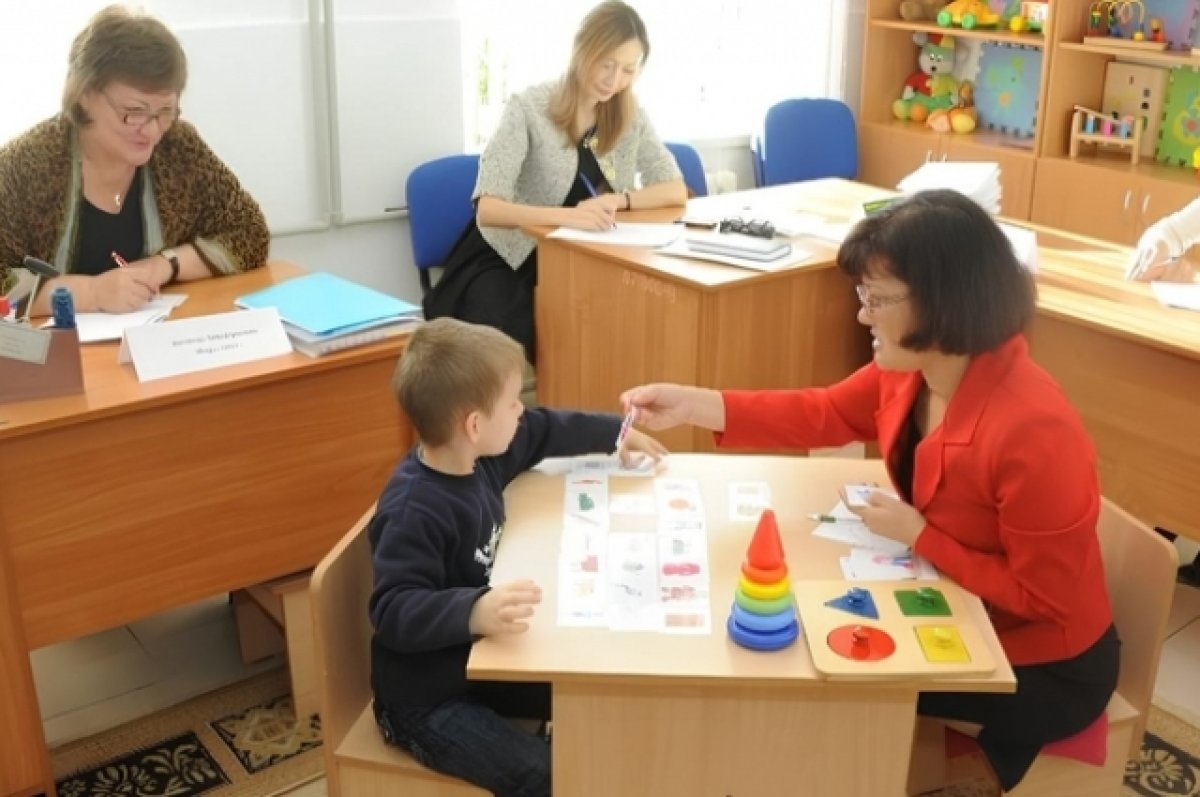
1007 484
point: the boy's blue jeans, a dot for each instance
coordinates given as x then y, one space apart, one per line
468 737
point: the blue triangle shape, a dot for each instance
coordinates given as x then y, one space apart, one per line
856 601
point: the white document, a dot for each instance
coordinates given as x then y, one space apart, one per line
197 344
95 327
626 233
1178 294
679 248
864 564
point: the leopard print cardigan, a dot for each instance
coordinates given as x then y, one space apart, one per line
189 196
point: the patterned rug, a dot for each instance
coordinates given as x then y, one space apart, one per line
241 741
1169 765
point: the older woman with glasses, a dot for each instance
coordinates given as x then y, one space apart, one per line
995 473
116 191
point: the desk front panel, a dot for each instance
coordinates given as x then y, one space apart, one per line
605 325
134 513
1140 405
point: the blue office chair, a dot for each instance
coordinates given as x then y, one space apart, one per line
805 140
689 163
439 208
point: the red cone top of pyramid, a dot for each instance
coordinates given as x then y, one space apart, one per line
766 548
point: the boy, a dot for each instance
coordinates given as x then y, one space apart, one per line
433 540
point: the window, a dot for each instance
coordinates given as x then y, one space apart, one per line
712 76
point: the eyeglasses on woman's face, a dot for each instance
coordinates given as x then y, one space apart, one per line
138 117
872 303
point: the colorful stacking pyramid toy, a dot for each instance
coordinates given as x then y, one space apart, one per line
764 610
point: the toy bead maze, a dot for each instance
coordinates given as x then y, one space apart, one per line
763 616
874 630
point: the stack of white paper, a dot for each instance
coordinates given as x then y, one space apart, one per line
978 180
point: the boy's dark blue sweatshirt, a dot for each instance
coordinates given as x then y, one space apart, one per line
433 540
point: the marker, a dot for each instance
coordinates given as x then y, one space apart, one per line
626 425
120 261
62 306
40 267
824 518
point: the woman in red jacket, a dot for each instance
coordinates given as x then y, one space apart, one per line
996 473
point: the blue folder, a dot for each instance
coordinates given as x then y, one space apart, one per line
324 304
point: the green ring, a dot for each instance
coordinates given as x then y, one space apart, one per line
755 606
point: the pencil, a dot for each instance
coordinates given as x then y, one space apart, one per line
120 261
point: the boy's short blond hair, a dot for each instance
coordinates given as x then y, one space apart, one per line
450 369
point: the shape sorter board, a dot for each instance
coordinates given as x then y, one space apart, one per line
910 659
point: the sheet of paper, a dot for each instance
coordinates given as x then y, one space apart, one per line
631 504
626 233
797 256
1177 294
864 564
633 603
747 500
95 327
850 530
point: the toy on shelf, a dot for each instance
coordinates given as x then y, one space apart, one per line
1032 18
933 85
921 10
1107 17
968 14
962 118
763 616
1095 127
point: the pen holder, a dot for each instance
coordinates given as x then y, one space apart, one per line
60 375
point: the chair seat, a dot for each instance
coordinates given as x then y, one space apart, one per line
1089 745
365 748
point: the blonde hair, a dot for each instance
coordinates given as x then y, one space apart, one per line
119 45
604 29
450 369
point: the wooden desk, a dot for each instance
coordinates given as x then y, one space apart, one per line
133 498
678 716
611 317
1132 368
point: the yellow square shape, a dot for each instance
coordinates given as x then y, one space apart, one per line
942 644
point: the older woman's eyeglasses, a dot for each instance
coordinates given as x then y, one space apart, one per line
873 303
140 117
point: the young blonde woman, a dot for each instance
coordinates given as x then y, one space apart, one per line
567 153
118 176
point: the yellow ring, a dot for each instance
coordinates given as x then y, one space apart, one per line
764 592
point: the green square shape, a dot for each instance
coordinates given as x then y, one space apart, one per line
923 602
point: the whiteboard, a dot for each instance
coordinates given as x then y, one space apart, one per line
251 93
399 100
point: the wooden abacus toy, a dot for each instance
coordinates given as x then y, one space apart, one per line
1105 131
1106 19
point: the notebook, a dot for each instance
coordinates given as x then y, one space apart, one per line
320 345
323 304
734 245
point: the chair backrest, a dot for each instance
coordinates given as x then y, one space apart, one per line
1139 568
689 163
439 205
339 591
806 139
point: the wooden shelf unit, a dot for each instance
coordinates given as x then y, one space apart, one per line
1097 194
890 149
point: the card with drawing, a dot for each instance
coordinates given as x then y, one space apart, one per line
747 500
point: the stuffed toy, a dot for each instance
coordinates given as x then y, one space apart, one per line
933 86
921 10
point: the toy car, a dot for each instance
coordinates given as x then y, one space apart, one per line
968 14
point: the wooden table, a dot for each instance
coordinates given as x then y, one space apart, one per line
666 715
1132 369
611 317
134 498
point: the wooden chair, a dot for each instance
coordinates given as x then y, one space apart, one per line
358 762
1139 567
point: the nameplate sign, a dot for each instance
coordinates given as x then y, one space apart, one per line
187 345
23 342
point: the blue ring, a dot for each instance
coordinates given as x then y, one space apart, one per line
755 640
763 622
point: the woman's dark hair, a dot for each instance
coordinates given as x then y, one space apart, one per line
966 288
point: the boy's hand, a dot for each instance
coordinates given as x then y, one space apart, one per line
504 608
637 446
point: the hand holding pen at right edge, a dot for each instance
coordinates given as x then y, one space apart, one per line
121 290
589 215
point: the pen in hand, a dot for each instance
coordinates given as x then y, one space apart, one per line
583 178
120 261
626 425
